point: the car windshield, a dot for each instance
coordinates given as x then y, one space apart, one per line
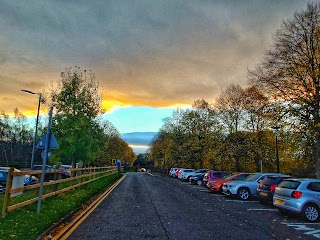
252 177
229 176
289 184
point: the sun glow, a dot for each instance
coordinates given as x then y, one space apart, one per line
139 146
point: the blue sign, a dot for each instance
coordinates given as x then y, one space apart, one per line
118 163
53 144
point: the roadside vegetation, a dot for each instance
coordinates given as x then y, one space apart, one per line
245 126
25 223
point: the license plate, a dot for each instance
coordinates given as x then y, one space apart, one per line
264 194
279 201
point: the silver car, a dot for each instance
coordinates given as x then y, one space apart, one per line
299 196
246 188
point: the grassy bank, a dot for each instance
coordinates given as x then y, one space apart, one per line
26 224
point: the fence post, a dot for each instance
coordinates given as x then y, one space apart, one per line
6 199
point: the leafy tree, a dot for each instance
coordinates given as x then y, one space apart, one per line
290 72
188 138
77 101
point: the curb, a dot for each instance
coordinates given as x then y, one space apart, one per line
74 223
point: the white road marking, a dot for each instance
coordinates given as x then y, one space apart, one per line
229 200
302 227
286 223
262 209
216 195
197 187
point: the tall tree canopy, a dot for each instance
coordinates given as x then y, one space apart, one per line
290 73
76 125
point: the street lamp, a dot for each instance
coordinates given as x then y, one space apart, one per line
37 121
276 128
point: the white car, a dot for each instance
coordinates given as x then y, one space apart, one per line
246 188
186 173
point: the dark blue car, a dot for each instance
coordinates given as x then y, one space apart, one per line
197 179
4 176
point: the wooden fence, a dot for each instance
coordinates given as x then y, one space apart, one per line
79 177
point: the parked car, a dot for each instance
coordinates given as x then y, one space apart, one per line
178 171
197 179
48 176
267 187
199 171
65 171
210 175
215 185
4 176
34 180
185 174
299 196
244 189
172 172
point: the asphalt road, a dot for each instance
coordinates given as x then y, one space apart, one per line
147 206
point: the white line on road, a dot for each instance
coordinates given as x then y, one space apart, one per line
229 200
216 195
304 223
262 209
197 187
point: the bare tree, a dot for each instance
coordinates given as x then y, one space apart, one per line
230 107
290 71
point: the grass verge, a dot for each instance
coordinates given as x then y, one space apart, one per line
25 223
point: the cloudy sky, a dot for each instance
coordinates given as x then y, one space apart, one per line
149 56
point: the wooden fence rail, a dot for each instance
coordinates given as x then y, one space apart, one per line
81 175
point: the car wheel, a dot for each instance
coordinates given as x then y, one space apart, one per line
310 212
244 193
199 182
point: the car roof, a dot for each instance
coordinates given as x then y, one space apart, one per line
7 169
304 179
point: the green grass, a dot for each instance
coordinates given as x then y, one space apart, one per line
25 223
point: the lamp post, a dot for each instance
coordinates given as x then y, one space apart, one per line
37 121
276 128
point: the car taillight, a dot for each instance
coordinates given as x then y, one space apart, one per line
259 186
273 187
296 194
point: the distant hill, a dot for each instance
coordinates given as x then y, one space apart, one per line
139 138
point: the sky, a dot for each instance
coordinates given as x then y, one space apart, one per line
148 56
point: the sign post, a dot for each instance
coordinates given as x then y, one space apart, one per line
47 142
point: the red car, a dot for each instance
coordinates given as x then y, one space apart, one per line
215 185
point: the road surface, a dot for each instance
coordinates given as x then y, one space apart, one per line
148 206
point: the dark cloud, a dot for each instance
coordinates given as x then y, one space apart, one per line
144 52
